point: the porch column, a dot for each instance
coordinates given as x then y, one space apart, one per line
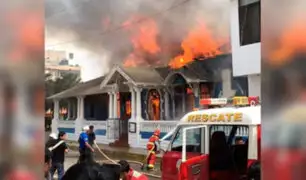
196 92
56 115
133 99
166 96
184 103
69 109
80 118
115 114
110 105
138 103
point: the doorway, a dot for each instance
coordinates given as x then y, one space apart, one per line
124 103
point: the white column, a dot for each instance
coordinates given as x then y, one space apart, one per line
80 107
69 108
110 105
166 95
115 115
138 103
56 116
133 103
80 118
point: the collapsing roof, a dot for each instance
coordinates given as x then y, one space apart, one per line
197 71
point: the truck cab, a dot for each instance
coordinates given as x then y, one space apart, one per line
213 144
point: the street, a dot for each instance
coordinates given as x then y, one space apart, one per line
72 158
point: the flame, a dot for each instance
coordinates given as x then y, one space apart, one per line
143 36
198 42
131 61
154 105
292 41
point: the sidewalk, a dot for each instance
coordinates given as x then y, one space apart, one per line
136 154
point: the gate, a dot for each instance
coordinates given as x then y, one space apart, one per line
123 127
113 129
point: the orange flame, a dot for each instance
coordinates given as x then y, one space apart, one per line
131 61
292 41
143 37
198 42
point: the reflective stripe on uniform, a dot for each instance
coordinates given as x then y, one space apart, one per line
136 174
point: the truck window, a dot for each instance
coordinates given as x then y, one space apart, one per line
193 141
241 136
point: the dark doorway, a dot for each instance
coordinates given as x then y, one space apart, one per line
125 115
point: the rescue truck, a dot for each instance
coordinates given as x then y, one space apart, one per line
215 144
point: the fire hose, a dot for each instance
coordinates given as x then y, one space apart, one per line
129 161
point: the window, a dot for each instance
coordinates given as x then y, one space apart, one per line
193 140
153 105
249 21
241 132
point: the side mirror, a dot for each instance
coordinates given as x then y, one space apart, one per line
254 171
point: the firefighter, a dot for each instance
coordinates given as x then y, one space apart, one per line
153 148
127 173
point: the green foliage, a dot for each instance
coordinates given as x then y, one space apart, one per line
58 85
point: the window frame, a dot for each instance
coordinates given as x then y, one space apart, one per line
242 24
203 136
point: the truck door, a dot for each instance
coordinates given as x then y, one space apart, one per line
195 168
172 159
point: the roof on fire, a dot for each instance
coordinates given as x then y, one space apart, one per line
143 75
197 71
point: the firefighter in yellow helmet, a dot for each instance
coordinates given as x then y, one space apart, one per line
153 148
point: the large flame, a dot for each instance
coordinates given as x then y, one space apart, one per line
292 41
143 34
200 41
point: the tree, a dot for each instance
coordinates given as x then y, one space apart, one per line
58 85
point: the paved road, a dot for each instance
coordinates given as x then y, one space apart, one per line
72 157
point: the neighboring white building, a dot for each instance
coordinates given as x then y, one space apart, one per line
245 40
58 71
53 58
57 64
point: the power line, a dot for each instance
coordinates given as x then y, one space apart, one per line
124 26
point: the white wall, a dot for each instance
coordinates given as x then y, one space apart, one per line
246 59
254 85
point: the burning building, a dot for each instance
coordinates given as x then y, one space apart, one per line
143 93
128 103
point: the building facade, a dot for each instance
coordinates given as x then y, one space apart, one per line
57 64
128 103
245 42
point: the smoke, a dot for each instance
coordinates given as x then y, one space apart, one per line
88 20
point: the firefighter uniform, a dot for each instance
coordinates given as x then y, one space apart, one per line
153 148
135 175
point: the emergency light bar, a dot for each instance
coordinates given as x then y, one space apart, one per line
236 101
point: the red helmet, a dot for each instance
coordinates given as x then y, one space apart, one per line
157 132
